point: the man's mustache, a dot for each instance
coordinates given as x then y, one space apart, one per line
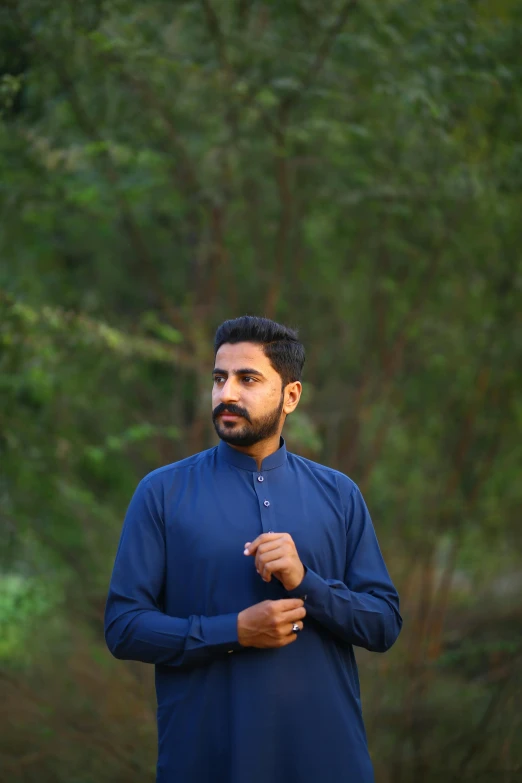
222 408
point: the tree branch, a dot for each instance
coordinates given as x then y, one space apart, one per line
217 35
285 217
320 56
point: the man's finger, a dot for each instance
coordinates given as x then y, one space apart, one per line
299 624
296 615
262 558
267 556
290 636
288 618
269 546
251 548
273 566
289 604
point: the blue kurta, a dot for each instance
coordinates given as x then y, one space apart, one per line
229 714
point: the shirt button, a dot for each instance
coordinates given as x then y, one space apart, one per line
260 478
266 503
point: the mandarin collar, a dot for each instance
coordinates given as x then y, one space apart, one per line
240 460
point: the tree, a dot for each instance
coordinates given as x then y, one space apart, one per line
349 168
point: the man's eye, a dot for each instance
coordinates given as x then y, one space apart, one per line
218 378
248 378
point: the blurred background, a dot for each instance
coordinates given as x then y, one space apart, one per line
353 169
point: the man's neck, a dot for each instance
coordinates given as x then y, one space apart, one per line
259 451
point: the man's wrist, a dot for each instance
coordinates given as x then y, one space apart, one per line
301 591
299 581
240 631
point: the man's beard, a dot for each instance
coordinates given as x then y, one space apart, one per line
250 433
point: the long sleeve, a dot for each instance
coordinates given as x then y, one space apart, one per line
364 609
136 628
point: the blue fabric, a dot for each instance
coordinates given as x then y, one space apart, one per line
228 714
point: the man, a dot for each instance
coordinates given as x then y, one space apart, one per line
245 574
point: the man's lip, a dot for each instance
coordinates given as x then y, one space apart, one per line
230 416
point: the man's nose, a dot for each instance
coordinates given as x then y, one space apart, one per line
230 391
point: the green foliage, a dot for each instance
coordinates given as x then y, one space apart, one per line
350 168
24 603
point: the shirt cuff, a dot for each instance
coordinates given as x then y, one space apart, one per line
220 632
313 589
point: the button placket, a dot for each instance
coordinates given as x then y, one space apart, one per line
261 487
265 505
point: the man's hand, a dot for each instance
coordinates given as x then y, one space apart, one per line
269 624
277 556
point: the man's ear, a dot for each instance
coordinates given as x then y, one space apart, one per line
292 395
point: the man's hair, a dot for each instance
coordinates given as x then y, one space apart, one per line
280 344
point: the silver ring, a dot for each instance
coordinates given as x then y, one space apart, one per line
295 628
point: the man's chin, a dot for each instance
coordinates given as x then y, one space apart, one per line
236 436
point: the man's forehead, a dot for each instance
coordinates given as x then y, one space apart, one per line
232 356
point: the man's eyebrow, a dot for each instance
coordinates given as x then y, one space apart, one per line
249 371
242 371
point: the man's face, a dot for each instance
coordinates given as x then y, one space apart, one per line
247 395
